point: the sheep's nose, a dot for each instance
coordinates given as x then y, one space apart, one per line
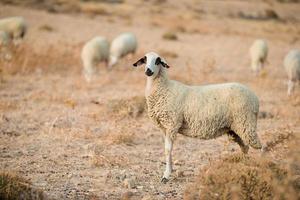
149 72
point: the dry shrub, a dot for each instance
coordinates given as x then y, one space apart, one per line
46 27
241 177
278 139
132 107
101 157
25 59
15 187
93 9
170 36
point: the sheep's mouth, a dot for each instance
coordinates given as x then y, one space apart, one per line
149 72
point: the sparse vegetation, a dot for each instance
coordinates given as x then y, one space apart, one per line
242 177
170 36
132 107
15 187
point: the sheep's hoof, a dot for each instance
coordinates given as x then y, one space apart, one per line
164 180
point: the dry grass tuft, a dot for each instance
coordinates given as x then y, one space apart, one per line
46 27
102 157
132 107
24 60
240 177
15 187
278 139
94 9
170 36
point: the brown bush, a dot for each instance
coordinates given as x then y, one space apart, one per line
244 177
15 187
132 107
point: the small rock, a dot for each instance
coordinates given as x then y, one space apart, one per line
140 187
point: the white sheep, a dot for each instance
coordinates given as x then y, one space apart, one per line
292 66
16 27
122 45
258 53
203 112
93 52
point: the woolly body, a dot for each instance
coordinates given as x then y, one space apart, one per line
204 112
122 45
93 52
258 53
292 67
16 27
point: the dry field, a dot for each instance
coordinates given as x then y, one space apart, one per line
75 140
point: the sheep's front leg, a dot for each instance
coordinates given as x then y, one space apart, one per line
168 154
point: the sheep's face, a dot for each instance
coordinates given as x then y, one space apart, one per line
153 63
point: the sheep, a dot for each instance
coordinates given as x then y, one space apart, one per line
292 66
122 45
258 53
15 27
93 52
203 112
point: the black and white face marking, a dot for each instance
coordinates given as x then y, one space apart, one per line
153 63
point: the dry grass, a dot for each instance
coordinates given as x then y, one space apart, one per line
46 27
15 187
24 60
94 9
170 36
241 177
132 107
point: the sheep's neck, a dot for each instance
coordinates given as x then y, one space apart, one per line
157 84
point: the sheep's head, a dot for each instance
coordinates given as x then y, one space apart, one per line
153 64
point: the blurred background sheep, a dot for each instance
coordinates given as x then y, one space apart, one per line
258 53
93 52
292 67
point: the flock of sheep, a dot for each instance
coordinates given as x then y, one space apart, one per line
203 112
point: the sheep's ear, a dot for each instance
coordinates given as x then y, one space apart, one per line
140 61
159 61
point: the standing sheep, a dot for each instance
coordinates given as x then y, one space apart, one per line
203 112
292 66
122 45
15 27
258 53
93 52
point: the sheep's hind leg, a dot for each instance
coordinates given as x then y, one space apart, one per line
240 142
168 154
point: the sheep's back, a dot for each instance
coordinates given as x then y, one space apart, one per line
210 110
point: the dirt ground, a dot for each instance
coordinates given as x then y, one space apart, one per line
73 140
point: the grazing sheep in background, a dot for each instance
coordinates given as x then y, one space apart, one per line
203 112
292 66
4 38
122 45
93 52
16 27
258 53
